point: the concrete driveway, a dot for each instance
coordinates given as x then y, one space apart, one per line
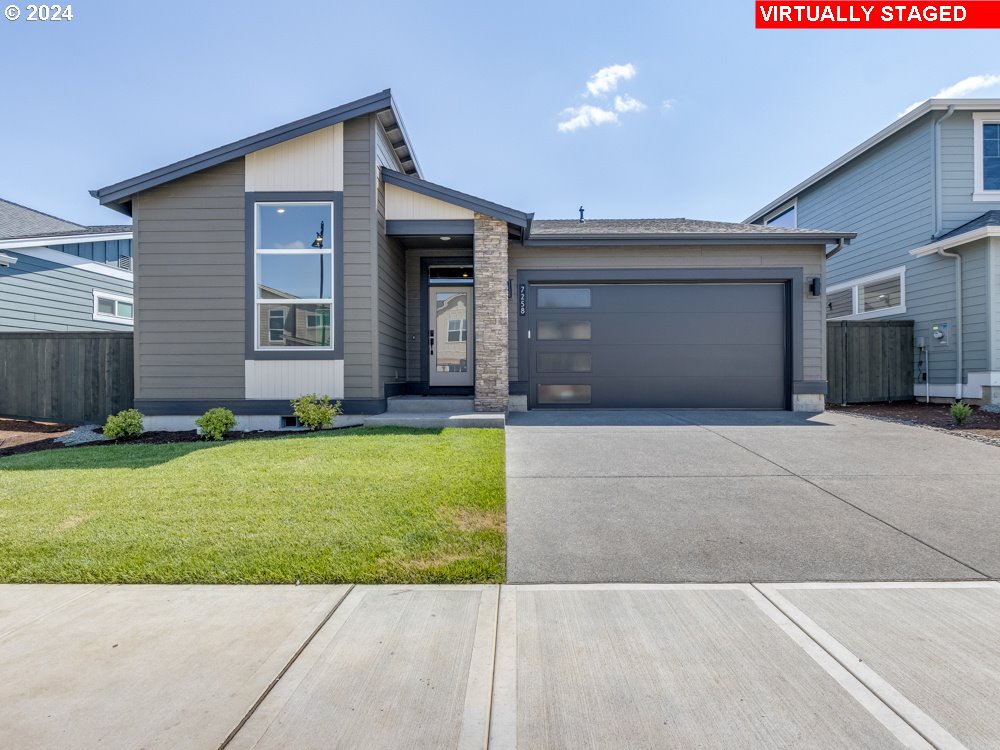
715 496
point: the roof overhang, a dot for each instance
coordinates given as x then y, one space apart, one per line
981 233
687 238
455 198
119 195
7 260
930 105
62 239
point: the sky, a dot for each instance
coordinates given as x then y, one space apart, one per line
631 109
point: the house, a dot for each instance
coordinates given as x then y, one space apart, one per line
923 196
315 257
59 276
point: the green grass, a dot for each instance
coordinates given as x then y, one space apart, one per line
383 505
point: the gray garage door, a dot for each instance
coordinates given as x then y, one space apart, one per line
678 345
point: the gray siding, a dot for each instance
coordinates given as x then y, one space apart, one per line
360 274
189 257
993 272
809 258
888 197
392 353
39 295
957 176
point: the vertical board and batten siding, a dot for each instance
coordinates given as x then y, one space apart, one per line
392 364
360 273
310 162
65 377
39 295
189 257
869 361
809 258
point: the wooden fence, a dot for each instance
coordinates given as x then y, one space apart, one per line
65 377
869 360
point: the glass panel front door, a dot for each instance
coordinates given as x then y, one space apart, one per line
450 342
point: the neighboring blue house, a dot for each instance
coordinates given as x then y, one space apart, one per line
923 196
59 276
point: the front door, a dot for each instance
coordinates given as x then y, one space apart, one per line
450 344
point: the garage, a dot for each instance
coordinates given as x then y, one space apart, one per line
690 344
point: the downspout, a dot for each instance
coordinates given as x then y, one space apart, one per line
938 221
958 321
937 169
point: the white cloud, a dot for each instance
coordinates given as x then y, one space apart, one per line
606 79
964 87
667 104
584 117
628 104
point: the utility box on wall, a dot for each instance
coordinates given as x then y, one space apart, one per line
869 361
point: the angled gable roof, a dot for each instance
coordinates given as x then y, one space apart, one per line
119 195
20 221
910 117
448 195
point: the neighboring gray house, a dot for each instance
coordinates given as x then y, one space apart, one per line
315 258
923 196
59 276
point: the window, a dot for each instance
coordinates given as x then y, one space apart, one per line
876 296
986 153
563 362
549 297
563 394
783 217
112 308
563 330
458 330
293 274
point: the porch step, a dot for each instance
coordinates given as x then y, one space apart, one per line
429 405
435 420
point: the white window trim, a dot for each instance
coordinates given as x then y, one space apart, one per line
98 294
794 203
978 120
258 301
856 301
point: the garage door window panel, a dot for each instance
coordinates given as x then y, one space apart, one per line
564 362
563 394
563 330
563 298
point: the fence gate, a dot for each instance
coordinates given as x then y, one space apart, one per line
65 377
869 360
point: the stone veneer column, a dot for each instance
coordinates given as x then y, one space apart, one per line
491 308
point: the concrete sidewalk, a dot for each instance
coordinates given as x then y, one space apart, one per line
719 496
561 666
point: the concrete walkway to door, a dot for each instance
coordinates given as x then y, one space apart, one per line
731 496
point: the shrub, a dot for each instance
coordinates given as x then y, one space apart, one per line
315 411
961 411
215 423
126 423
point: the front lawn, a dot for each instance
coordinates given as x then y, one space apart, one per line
385 505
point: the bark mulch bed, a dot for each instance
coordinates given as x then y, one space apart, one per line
23 436
17 436
982 424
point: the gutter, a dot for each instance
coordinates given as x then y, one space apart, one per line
838 248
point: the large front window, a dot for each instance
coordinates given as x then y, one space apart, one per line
293 275
986 156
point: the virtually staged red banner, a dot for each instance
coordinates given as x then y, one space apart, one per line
975 14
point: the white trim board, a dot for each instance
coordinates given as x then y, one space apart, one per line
980 194
72 261
72 239
956 241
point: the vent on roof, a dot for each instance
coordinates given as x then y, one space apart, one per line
125 262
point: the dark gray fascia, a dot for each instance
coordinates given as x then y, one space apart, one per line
471 202
422 227
116 196
716 238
